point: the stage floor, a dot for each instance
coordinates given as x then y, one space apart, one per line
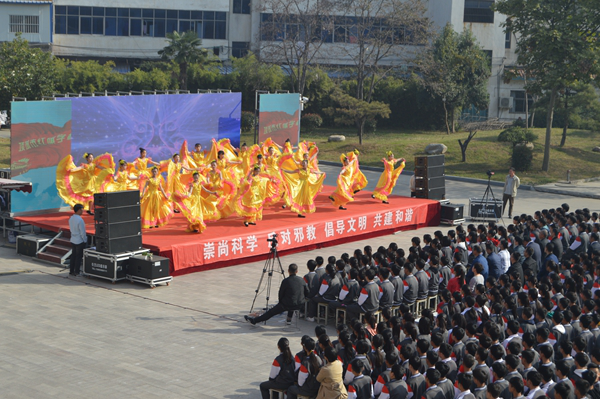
228 242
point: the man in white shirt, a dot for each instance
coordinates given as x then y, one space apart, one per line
504 255
511 184
78 239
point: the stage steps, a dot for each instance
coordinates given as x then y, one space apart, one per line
58 250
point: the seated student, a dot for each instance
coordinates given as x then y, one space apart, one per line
433 391
445 353
360 387
467 366
368 300
493 391
546 354
349 292
512 367
563 391
563 369
458 347
534 380
512 330
307 374
362 348
282 374
423 280
547 379
515 386
499 372
480 380
527 358
398 285
390 360
463 386
310 278
444 383
395 388
582 388
329 290
581 362
386 296
415 380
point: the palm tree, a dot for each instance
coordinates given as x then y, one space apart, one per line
183 49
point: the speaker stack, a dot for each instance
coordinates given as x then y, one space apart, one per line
430 179
118 222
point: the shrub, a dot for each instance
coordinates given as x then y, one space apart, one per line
248 121
517 135
310 122
522 157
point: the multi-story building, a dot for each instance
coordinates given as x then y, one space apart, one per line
32 18
132 31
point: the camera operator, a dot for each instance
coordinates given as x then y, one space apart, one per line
292 292
510 190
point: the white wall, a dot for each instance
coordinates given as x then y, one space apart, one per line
41 10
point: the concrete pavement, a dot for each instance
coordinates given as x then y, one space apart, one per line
73 338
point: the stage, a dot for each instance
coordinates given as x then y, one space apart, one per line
228 242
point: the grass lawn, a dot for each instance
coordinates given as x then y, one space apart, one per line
484 152
4 153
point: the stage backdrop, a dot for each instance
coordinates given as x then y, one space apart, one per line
279 118
40 138
44 132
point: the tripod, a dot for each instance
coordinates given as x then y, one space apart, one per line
268 269
485 210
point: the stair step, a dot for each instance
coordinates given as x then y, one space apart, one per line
62 242
50 257
57 249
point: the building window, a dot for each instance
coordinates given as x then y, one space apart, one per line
111 21
24 24
239 49
519 101
241 6
507 40
479 11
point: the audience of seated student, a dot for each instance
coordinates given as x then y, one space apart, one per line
518 316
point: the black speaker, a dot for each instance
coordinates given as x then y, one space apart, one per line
118 245
115 215
429 160
430 182
150 269
485 210
433 193
117 199
118 230
452 211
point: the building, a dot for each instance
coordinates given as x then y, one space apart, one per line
129 32
33 18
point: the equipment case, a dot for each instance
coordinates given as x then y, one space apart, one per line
112 267
151 271
29 245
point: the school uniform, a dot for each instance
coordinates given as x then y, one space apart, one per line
386 299
360 388
434 392
447 388
282 376
382 379
394 389
504 392
398 289
307 381
416 386
480 393
423 284
347 296
368 301
465 395
536 393
551 391
411 289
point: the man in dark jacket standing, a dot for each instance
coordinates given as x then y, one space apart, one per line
494 261
292 292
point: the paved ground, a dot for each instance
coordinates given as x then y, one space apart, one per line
72 338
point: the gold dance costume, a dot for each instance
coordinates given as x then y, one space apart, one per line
121 182
197 208
343 192
387 180
250 202
359 180
224 200
79 186
301 190
156 210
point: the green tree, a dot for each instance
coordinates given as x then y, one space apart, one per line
456 71
24 72
249 75
154 79
82 76
557 43
352 111
184 49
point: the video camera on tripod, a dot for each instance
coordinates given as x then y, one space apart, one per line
273 240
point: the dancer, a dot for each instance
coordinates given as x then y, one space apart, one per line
121 180
141 164
343 192
197 156
177 180
388 178
359 180
77 184
196 208
155 206
302 187
225 191
247 155
253 193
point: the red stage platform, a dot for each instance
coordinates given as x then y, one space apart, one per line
228 242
